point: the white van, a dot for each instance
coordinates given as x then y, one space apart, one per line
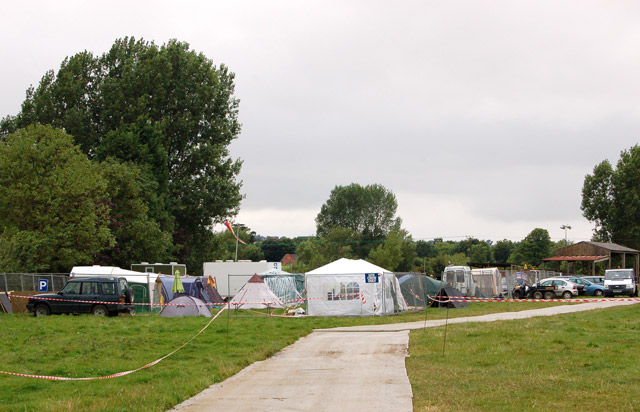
620 282
461 278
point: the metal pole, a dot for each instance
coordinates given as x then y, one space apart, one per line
149 294
446 324
237 233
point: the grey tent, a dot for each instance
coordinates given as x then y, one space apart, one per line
185 305
5 303
418 290
442 299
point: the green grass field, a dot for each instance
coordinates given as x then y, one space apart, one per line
576 362
85 346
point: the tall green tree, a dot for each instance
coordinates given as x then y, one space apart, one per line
536 246
54 206
137 236
426 249
502 250
167 109
611 199
368 210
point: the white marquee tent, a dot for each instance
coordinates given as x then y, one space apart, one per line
348 287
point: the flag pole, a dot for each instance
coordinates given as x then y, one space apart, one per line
236 246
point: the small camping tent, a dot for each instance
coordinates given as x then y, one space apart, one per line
185 306
193 286
348 287
255 295
442 299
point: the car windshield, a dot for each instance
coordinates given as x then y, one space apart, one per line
618 274
72 288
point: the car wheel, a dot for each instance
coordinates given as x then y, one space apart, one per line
598 292
537 294
517 294
100 310
549 295
41 310
566 294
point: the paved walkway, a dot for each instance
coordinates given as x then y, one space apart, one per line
343 369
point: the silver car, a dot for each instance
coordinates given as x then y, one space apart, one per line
554 287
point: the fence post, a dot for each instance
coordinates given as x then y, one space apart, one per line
21 283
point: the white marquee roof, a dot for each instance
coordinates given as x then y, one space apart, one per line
348 266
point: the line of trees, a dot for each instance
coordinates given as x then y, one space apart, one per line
360 222
123 157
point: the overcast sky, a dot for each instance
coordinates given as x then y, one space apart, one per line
483 117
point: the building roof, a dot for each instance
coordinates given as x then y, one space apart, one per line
576 259
612 247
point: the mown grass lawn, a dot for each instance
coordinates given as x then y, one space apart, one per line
576 362
86 346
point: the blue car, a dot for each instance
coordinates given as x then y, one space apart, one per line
590 288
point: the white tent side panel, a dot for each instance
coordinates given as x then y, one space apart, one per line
350 295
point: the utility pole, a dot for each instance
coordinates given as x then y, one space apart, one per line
565 227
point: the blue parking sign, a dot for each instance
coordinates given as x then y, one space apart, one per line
43 285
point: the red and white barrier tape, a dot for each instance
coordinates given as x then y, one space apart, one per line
474 299
119 374
336 297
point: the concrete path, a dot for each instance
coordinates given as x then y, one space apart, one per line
360 368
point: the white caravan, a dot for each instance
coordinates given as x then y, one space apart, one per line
461 278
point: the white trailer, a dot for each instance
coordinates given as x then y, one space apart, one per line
231 276
461 278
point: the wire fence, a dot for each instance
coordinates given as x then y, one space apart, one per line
513 278
30 282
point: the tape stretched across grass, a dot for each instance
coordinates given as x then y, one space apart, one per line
119 374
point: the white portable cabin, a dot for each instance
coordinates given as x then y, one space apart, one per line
231 276
487 281
349 287
461 278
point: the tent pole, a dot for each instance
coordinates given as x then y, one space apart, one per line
426 303
446 324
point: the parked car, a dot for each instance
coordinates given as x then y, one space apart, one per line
590 289
554 287
98 296
620 282
598 280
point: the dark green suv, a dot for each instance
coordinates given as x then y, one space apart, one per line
97 295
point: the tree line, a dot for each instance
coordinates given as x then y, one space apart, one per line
123 157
